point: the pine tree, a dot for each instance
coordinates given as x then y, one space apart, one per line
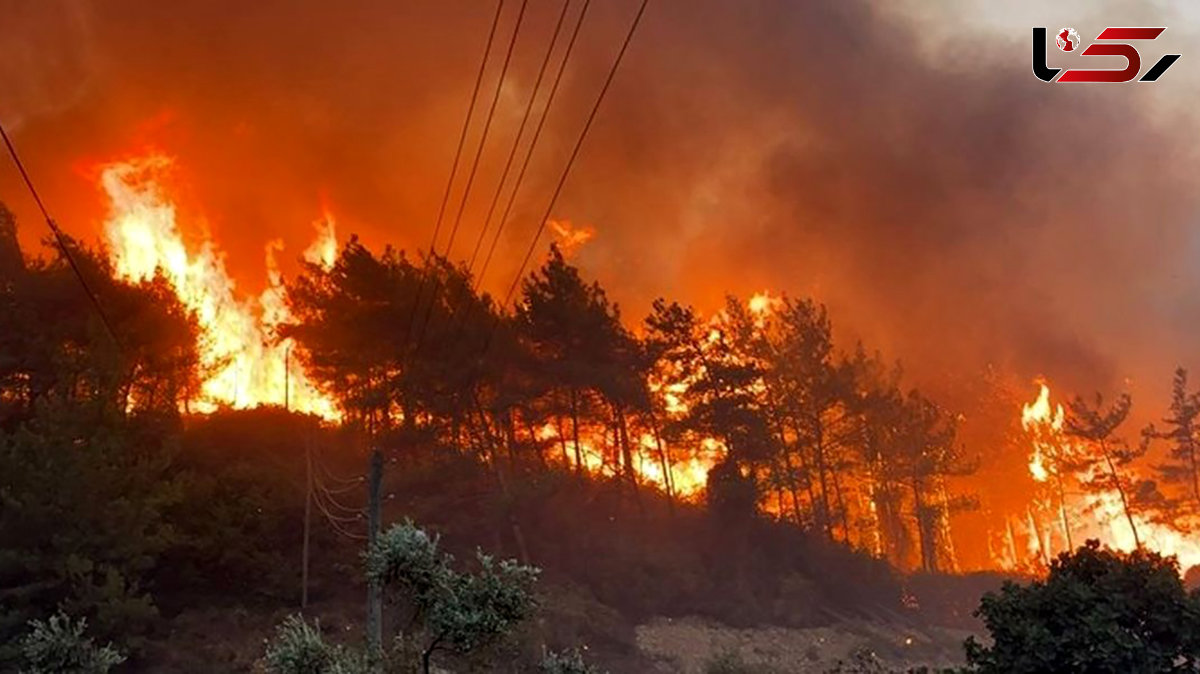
1095 425
1182 468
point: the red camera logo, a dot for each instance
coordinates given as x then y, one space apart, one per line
1110 42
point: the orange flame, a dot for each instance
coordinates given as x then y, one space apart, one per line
245 365
1040 420
569 237
689 474
1098 515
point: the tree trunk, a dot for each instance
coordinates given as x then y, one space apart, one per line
819 449
626 449
1062 508
502 482
575 432
928 561
1195 463
1116 478
804 468
944 528
562 438
841 504
510 438
533 441
668 477
789 478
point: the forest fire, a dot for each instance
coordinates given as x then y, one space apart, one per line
1075 500
715 357
684 478
244 365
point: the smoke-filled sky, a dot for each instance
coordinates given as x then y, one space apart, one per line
897 160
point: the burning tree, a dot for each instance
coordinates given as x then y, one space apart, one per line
1055 460
811 390
1102 454
1182 468
583 354
930 455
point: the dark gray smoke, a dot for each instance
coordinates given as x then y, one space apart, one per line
951 209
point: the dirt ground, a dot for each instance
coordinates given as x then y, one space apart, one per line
687 645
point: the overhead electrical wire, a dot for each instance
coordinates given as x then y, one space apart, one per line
575 153
533 143
504 174
512 153
60 239
462 139
486 347
487 126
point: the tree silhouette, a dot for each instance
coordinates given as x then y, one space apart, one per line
1095 425
1182 468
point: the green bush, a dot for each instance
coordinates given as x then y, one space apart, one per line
58 646
451 611
566 662
298 648
82 523
1097 611
448 610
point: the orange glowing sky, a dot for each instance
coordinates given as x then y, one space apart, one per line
930 190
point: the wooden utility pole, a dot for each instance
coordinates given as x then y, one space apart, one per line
374 591
308 497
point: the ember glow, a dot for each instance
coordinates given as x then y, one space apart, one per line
1063 515
687 477
244 365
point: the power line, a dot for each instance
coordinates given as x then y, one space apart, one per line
512 153
529 152
537 85
498 317
59 238
487 126
575 153
462 139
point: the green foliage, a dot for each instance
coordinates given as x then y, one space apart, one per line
81 518
407 558
566 662
1097 611
483 606
299 648
358 323
454 611
241 475
449 610
99 502
58 646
